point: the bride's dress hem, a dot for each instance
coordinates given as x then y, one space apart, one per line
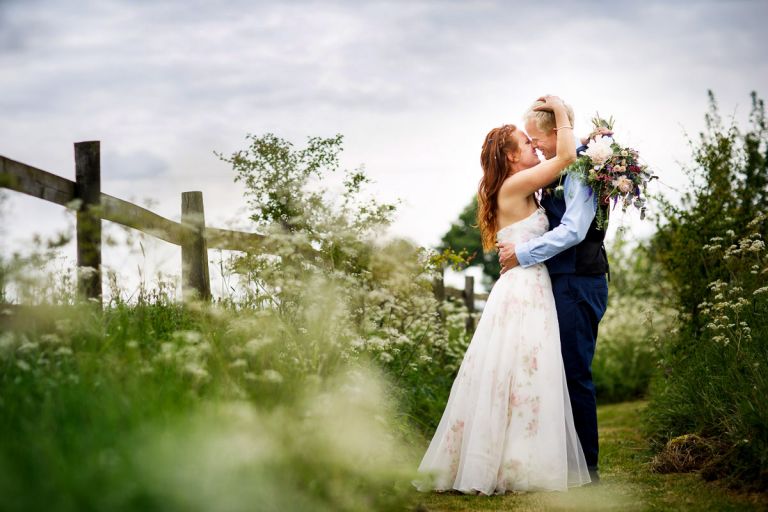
473 491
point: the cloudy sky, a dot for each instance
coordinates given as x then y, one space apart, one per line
414 86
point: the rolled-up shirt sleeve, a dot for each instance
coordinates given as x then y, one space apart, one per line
580 209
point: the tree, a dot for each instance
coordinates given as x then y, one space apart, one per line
464 235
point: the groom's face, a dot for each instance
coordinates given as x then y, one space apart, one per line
544 142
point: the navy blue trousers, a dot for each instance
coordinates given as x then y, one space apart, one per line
581 301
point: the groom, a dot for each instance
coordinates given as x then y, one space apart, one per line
575 256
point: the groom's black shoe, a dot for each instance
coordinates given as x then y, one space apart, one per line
594 475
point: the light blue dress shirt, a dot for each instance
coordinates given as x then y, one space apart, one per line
580 209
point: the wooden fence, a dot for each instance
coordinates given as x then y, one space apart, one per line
84 195
467 295
195 238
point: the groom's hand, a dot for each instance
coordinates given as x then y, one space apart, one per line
507 256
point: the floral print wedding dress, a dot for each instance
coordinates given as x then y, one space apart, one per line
508 424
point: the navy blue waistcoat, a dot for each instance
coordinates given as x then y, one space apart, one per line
585 258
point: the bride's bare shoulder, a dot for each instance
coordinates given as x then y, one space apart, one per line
513 208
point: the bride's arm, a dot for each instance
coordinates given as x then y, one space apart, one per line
527 181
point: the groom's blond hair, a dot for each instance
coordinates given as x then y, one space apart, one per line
545 121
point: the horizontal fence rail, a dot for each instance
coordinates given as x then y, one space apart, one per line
55 189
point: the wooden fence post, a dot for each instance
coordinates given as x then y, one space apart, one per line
194 248
88 191
438 288
469 300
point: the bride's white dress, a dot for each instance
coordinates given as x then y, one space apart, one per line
508 424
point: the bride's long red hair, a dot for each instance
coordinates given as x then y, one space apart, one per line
493 158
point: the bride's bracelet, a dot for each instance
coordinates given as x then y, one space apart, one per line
571 127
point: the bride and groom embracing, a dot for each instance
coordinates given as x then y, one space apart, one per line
521 415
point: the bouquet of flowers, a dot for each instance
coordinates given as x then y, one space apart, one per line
612 171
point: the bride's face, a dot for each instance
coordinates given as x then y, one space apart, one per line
527 156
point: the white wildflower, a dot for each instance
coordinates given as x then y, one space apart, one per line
238 363
256 344
190 337
27 346
272 376
64 351
196 371
50 338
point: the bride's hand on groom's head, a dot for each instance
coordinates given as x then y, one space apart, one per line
550 102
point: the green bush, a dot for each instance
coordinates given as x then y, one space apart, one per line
713 377
636 318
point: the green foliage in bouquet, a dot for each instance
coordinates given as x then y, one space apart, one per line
713 380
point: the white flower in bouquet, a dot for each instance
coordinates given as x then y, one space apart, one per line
599 150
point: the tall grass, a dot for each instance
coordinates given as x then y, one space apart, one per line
308 387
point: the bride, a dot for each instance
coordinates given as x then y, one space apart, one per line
508 424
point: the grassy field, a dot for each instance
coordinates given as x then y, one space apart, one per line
627 484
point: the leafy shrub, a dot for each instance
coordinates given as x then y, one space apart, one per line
713 380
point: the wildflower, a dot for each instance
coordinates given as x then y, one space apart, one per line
196 371
238 363
272 376
50 338
27 346
7 341
64 351
255 345
190 337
